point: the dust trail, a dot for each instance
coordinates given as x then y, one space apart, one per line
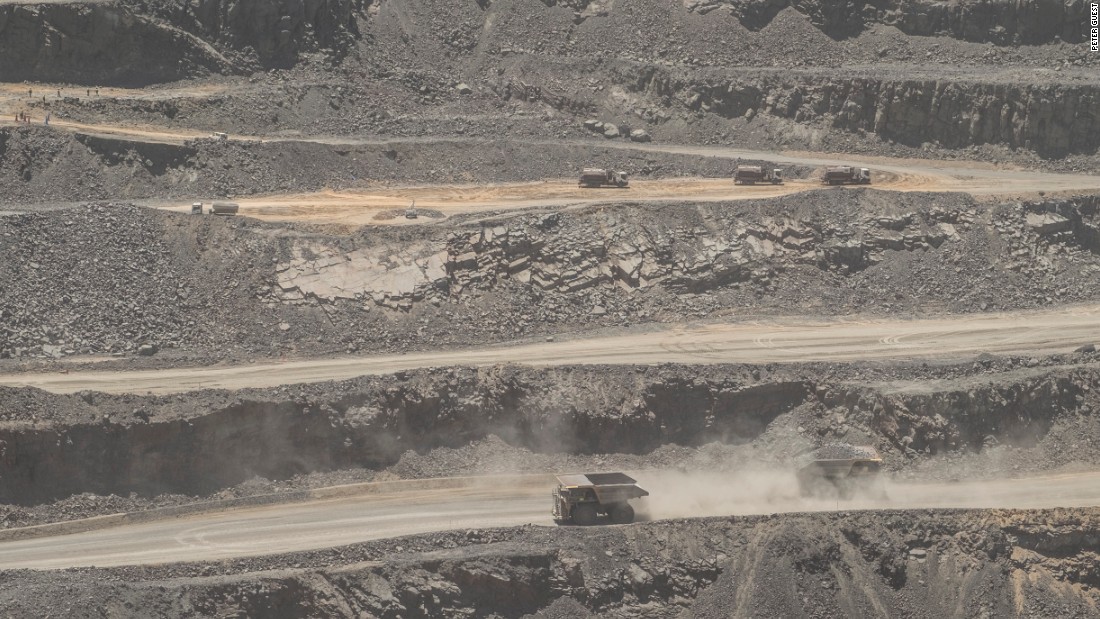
678 494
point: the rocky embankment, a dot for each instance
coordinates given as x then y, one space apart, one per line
1023 415
919 111
135 280
927 565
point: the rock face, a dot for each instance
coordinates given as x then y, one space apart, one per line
273 31
97 43
1051 120
551 254
393 279
137 42
1027 23
221 442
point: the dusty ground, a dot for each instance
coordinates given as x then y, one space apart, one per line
703 334
759 341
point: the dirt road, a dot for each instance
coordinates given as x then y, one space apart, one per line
784 340
324 524
386 206
355 208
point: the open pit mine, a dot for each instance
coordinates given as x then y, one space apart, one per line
549 309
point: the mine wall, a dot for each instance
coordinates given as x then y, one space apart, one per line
269 33
1051 119
141 42
1021 23
97 43
1019 413
134 451
120 444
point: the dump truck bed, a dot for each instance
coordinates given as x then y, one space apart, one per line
581 480
609 487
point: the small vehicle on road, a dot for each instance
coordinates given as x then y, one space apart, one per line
224 208
846 175
752 174
599 177
584 499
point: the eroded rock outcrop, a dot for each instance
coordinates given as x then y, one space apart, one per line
97 43
552 253
138 42
1052 120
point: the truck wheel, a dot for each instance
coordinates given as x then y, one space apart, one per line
622 513
585 514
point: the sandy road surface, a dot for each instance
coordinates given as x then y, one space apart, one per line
787 340
369 206
386 206
323 524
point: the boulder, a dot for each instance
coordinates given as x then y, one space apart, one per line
640 135
1047 223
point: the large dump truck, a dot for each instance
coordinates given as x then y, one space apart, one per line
846 175
842 471
598 177
752 174
584 498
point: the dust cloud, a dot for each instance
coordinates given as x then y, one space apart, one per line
680 494
687 494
